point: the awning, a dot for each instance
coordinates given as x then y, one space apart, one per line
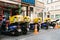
10 2
8 5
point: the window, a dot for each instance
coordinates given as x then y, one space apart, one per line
49 1
31 9
47 8
52 16
54 0
52 8
57 7
57 16
41 0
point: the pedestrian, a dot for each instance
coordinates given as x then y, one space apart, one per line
0 20
3 23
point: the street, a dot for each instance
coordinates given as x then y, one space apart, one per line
20 17
50 34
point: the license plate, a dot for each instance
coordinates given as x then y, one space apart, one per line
19 30
27 29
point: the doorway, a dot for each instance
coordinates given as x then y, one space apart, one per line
6 13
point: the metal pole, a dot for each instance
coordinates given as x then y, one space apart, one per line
43 15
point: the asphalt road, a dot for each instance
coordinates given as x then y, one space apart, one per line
50 34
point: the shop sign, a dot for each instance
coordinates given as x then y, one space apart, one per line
32 2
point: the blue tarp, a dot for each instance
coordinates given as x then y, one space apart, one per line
32 2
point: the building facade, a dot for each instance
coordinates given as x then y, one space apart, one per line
39 7
53 9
